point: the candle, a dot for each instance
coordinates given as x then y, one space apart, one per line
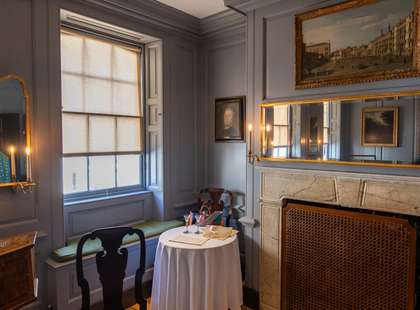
250 136
12 163
250 142
267 130
28 164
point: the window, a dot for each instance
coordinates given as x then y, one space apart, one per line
326 130
281 131
101 116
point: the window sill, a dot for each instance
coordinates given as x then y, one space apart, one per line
111 197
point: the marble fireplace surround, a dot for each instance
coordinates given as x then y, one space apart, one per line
394 194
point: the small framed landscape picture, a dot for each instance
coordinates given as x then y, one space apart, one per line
229 119
380 127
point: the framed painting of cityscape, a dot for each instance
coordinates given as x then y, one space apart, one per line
357 41
380 127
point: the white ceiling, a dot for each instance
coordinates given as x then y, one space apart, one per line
197 8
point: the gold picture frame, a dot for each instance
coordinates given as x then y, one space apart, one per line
313 72
379 127
12 77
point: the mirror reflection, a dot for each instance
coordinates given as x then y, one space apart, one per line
385 130
14 146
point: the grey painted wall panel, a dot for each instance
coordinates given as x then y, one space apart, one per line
279 51
271 48
31 49
226 77
182 135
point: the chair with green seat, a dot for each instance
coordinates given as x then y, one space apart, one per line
111 263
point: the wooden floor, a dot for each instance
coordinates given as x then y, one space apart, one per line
136 307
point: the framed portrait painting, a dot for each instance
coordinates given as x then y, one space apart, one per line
357 41
229 119
380 127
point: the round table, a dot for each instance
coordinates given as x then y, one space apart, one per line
192 277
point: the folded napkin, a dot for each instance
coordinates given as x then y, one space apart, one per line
218 232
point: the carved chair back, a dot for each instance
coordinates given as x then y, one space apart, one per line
111 263
215 203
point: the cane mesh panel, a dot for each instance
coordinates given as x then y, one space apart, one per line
335 259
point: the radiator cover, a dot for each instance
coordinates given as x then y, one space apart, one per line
340 259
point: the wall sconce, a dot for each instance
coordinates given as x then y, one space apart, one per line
251 156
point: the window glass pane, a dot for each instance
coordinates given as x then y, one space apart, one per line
326 114
128 136
72 93
280 135
74 133
125 99
325 135
71 53
128 170
98 58
280 115
74 175
101 134
280 152
101 172
98 96
125 64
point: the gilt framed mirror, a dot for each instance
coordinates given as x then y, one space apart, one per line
374 130
15 134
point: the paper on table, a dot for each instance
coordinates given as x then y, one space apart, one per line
189 239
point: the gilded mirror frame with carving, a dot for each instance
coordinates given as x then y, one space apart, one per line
344 98
12 77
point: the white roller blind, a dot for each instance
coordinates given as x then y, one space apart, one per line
281 115
102 114
128 142
98 58
71 53
125 67
125 100
102 134
74 133
100 78
72 93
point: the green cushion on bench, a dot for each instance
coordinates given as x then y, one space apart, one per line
149 228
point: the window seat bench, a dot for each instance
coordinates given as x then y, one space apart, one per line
63 291
149 228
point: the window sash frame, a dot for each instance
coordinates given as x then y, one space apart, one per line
108 192
72 198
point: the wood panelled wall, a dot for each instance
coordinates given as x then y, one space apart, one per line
269 51
30 48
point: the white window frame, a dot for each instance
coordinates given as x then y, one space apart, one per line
116 191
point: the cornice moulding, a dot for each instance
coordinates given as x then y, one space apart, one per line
249 5
220 23
155 13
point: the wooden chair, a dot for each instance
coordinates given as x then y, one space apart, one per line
210 200
215 203
111 264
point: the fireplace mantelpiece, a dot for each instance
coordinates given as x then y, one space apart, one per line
393 194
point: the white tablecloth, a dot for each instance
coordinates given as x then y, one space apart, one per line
189 277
